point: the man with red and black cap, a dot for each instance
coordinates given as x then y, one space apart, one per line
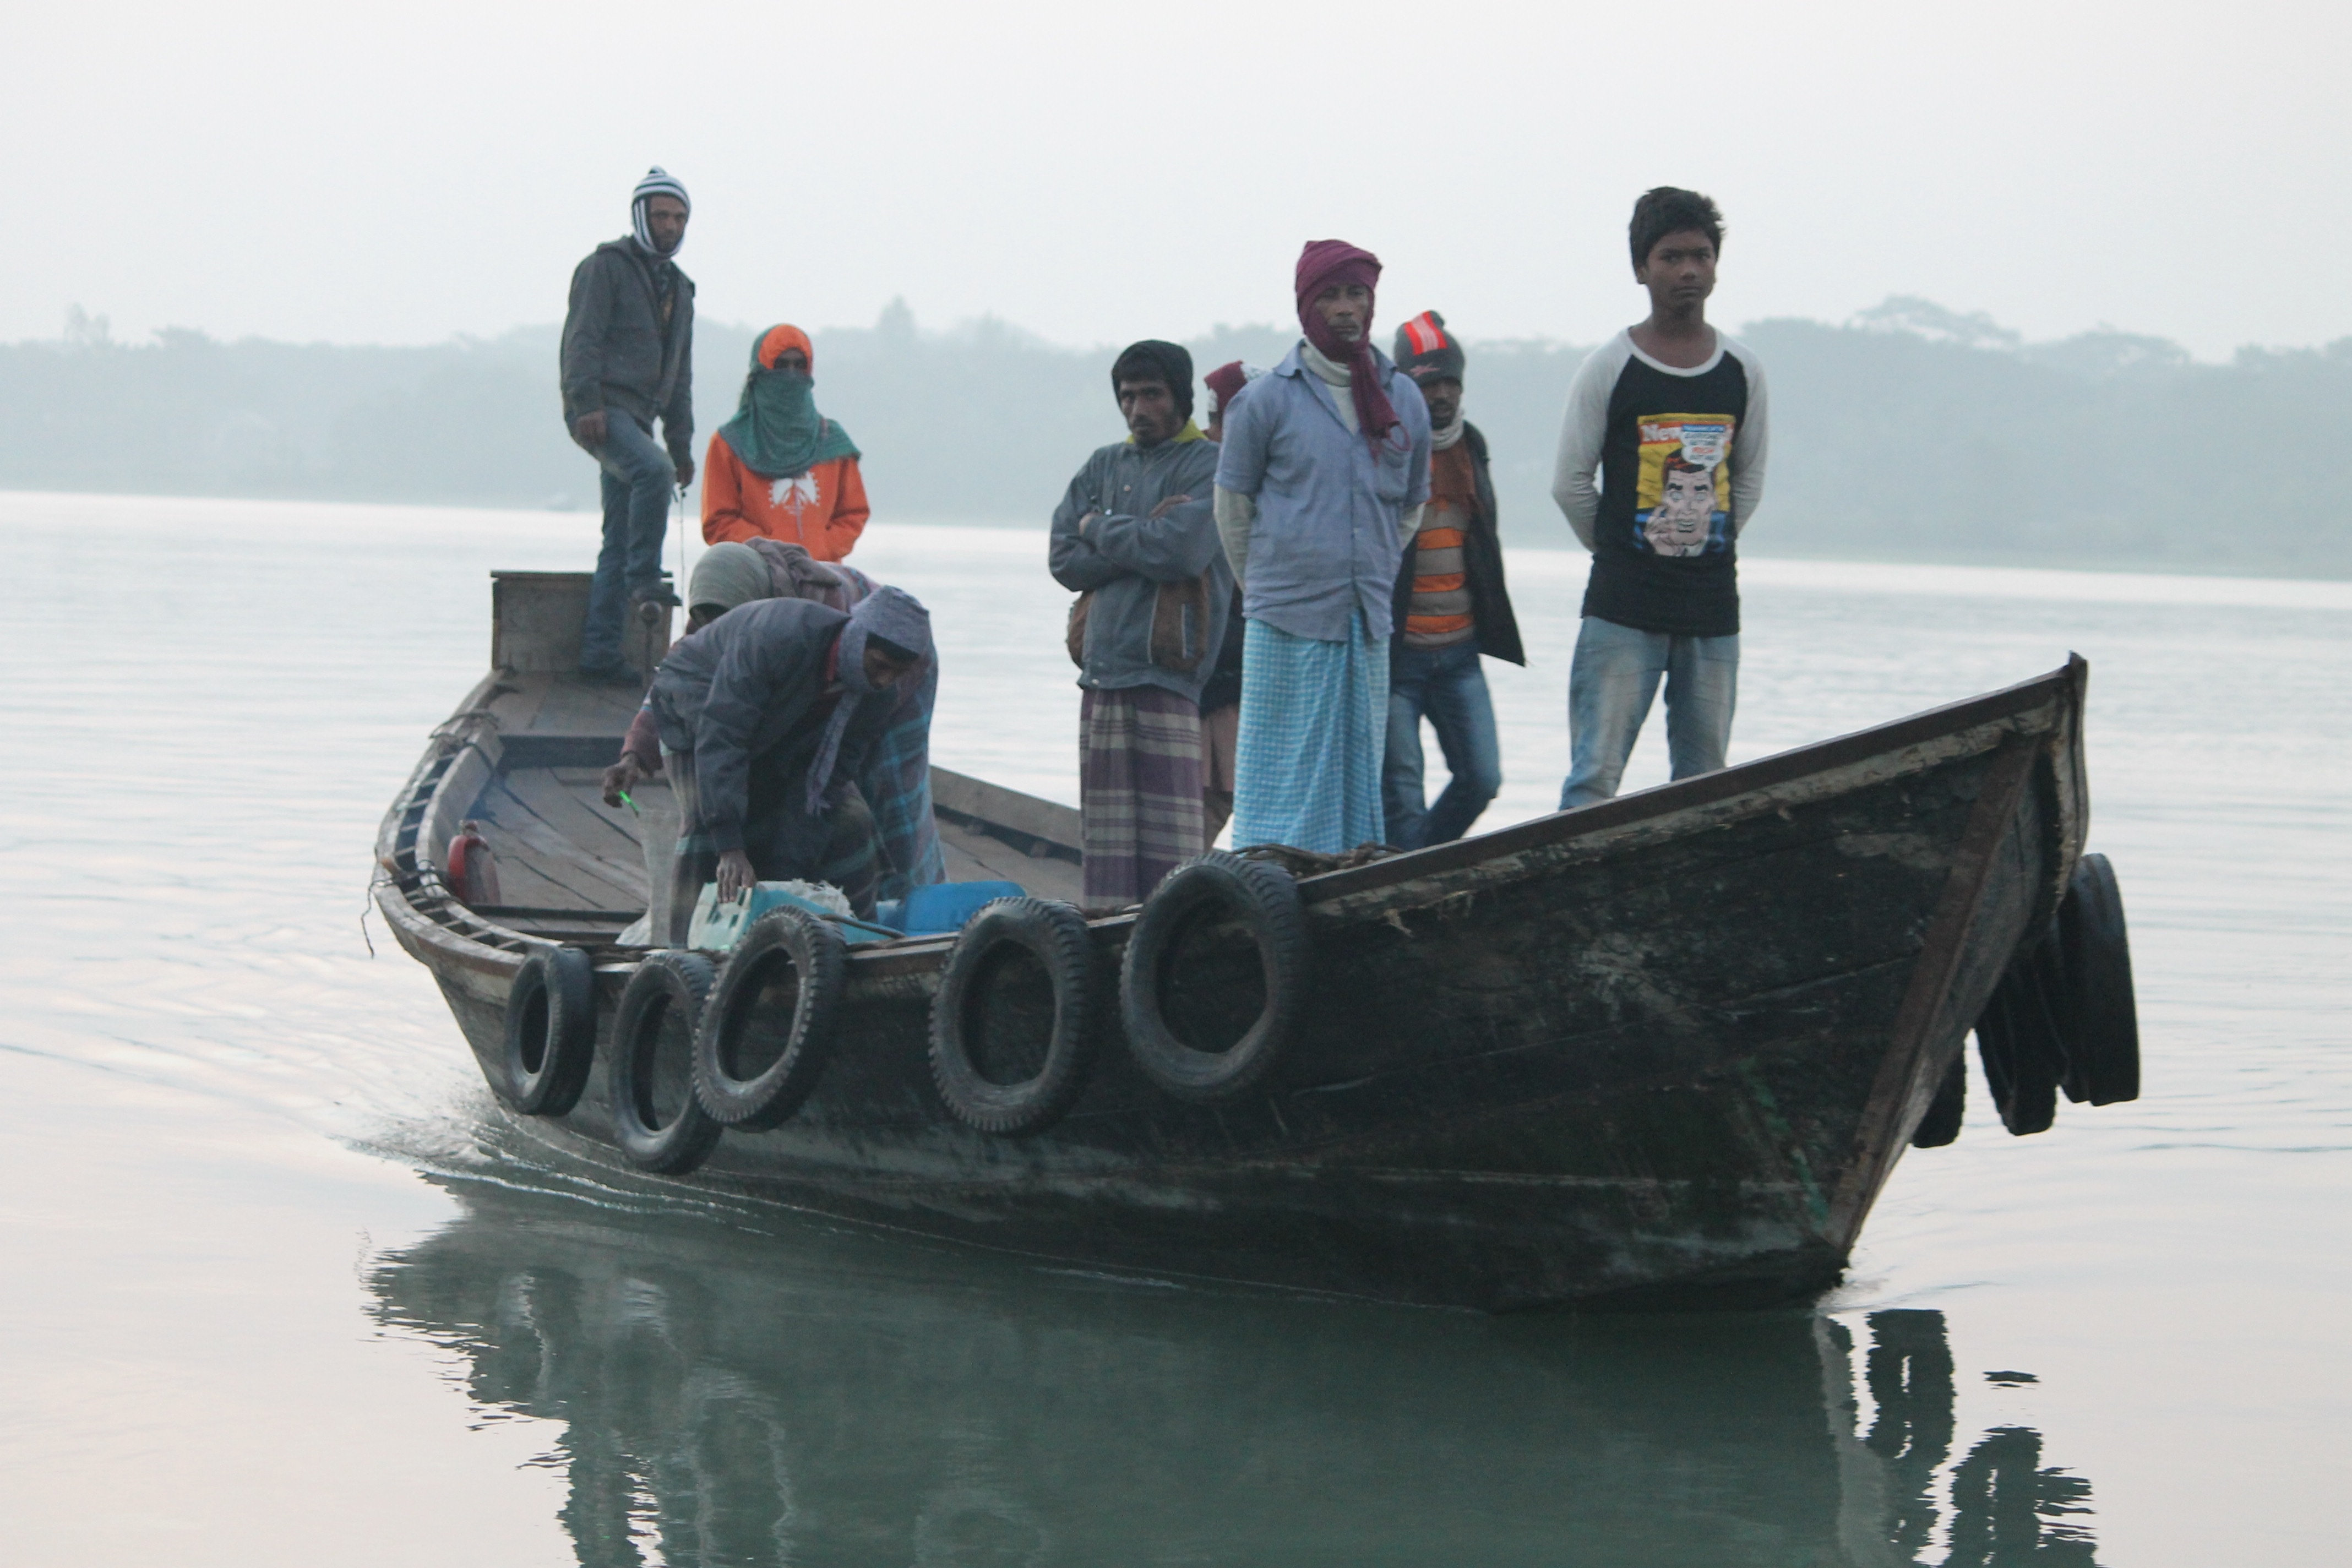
1450 608
1320 481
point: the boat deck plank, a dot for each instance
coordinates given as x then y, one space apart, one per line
534 823
976 856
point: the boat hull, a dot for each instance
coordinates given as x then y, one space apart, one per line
1662 1050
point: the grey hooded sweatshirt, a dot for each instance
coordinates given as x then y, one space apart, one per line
617 352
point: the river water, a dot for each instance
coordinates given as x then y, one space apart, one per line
280 1286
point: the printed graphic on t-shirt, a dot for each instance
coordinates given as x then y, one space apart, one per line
1682 495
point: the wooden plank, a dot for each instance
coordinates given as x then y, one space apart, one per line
565 913
573 708
1025 814
567 800
520 836
975 856
528 877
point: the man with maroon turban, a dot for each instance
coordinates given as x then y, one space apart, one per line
1320 481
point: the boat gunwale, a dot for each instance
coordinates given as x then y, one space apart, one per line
915 956
1707 789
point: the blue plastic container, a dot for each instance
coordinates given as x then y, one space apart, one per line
942 907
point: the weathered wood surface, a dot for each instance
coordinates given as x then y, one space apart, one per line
1668 1045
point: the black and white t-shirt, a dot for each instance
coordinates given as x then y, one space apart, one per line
1680 456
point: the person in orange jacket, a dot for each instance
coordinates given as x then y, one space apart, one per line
780 470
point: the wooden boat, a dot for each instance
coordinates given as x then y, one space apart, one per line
1662 1049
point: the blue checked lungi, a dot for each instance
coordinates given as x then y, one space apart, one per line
1315 715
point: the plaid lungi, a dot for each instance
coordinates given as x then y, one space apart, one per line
1315 719
1138 790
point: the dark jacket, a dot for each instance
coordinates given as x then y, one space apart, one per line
1127 555
1482 559
616 351
744 695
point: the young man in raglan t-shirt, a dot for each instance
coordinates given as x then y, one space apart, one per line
1672 414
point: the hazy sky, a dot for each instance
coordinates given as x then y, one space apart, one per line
1097 172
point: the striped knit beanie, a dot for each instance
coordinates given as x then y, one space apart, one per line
658 182
1424 347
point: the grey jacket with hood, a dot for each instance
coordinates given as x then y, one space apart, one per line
616 351
1127 554
743 696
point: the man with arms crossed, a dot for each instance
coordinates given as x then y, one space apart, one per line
628 360
1135 534
1672 414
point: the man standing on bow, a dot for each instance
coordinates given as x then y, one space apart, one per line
1320 481
627 361
1672 414
1136 537
1451 606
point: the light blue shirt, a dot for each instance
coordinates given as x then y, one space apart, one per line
1325 542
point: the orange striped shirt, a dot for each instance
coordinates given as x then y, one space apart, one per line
1438 614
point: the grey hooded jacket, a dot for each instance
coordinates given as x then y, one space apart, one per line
616 351
743 696
1126 555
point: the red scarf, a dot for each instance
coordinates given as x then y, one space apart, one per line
1323 263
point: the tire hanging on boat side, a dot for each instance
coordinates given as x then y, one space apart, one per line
2021 1039
1054 935
2103 1015
1265 900
667 1139
1941 1124
551 1039
738 1031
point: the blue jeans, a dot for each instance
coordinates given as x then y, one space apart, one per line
637 477
1609 690
1447 685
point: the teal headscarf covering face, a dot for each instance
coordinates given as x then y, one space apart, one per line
777 430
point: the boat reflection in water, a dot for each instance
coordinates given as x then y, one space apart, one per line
849 1399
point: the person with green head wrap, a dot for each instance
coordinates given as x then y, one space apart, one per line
780 470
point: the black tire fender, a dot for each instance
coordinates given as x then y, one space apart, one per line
738 1028
1265 900
1054 934
666 985
1941 1124
550 1032
2095 955
2021 1038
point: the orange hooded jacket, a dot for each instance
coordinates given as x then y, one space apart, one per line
822 510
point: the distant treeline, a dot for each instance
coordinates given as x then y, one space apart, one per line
1912 433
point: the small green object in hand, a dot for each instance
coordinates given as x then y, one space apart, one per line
627 802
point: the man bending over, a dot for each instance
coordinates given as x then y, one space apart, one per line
766 716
